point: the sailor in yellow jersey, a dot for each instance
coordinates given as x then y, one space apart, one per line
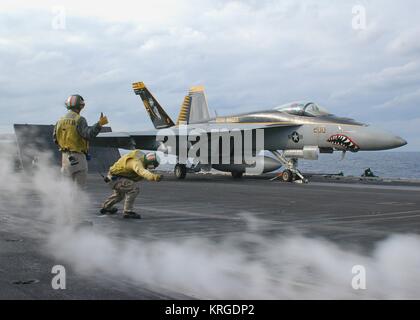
123 177
72 135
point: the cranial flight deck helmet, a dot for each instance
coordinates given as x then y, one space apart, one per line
75 102
151 160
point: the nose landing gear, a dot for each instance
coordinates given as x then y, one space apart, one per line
287 175
292 173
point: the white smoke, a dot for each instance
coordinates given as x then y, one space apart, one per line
249 266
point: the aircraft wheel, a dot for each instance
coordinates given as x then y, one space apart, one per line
180 171
237 174
287 176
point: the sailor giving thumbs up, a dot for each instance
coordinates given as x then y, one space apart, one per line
103 120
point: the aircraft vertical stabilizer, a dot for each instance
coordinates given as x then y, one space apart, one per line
194 108
158 116
199 110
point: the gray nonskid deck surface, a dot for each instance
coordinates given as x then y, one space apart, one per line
213 207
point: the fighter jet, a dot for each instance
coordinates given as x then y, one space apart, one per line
296 130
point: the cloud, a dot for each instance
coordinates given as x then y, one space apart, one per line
249 55
407 43
410 101
391 81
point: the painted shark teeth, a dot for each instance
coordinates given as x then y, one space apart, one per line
343 141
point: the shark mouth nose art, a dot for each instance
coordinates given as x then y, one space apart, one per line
344 141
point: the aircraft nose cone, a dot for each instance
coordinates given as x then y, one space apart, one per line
376 139
399 142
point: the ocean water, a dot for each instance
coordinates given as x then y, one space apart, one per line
384 164
405 165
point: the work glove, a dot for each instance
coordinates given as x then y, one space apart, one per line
158 177
103 120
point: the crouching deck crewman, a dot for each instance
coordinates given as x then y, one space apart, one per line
123 178
72 135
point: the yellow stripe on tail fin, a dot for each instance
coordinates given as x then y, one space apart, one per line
184 113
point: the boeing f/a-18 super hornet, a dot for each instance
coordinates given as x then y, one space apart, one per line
297 130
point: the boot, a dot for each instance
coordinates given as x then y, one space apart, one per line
111 211
131 215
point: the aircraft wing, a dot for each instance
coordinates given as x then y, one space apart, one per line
147 139
241 126
127 140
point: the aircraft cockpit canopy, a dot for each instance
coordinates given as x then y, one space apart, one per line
308 109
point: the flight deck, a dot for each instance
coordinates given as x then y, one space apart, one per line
349 213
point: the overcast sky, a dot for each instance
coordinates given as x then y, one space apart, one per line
250 55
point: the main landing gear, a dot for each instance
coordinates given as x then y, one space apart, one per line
180 171
237 174
291 173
